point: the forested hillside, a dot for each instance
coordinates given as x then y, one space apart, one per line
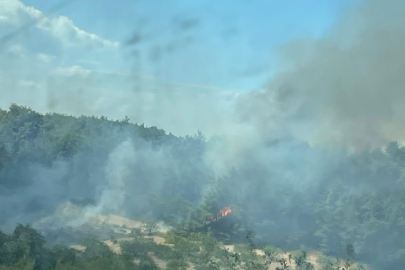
25 249
290 195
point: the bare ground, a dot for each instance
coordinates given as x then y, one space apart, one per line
115 220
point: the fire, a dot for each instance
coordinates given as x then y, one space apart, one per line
222 213
226 211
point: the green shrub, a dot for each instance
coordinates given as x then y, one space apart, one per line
95 249
299 257
271 252
328 263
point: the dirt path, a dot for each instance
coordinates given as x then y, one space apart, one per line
115 247
160 263
115 220
312 256
159 240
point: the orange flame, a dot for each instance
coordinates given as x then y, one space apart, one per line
222 213
226 211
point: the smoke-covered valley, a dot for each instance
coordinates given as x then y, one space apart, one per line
312 160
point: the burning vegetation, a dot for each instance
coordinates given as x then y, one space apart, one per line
225 211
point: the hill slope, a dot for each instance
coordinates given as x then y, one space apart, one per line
285 192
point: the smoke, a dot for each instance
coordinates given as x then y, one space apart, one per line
276 149
111 188
118 168
345 89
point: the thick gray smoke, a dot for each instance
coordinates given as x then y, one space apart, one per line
345 89
286 143
110 191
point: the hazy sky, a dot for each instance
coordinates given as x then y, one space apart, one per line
186 62
228 43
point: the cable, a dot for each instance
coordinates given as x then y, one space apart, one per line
31 23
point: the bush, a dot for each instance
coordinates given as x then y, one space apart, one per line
95 249
305 266
299 257
136 232
138 248
64 254
271 252
328 263
177 264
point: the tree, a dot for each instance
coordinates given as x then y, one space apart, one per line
271 253
64 254
150 226
95 249
349 255
299 256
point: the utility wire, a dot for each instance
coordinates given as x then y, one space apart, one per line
33 22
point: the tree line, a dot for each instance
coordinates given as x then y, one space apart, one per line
358 200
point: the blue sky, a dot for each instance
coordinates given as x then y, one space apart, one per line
232 45
193 60
196 63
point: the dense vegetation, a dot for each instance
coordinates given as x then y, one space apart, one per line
25 249
335 199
